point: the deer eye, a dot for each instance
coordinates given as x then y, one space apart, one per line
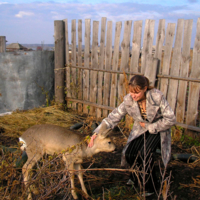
109 142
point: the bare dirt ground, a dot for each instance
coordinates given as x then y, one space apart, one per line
182 174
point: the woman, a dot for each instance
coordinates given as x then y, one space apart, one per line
153 119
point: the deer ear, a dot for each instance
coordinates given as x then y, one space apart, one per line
104 130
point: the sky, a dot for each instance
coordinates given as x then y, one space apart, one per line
31 22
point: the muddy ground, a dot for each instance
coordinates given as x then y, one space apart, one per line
112 184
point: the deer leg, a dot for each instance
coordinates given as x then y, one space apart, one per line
80 176
71 171
25 171
70 167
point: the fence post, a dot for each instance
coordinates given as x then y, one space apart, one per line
59 60
2 44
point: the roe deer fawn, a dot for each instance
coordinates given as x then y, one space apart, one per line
40 139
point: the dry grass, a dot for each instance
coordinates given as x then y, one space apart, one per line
15 124
46 179
45 182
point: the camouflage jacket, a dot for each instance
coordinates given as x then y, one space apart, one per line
159 115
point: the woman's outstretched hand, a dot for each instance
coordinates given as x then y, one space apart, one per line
91 143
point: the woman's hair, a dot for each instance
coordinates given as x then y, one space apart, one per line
139 82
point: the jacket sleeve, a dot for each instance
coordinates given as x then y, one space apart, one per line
167 121
114 117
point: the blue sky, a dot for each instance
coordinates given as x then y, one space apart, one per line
26 21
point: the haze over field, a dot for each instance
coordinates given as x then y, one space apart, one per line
29 22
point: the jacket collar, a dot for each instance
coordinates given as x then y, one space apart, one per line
151 106
149 97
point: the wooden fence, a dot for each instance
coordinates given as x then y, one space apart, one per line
93 80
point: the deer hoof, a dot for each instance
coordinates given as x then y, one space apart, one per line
74 195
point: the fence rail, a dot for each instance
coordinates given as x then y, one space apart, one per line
133 73
96 76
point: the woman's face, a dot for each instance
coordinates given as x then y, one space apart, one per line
137 94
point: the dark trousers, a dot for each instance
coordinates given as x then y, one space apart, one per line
135 157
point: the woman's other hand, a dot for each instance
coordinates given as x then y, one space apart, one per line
142 124
91 143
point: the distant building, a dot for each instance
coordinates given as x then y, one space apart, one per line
16 47
39 48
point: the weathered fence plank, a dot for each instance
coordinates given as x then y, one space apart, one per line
125 49
107 76
59 60
180 109
194 88
147 42
167 57
101 65
160 39
158 50
136 46
73 61
80 71
175 66
67 62
152 68
113 87
124 65
94 64
86 63
2 44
